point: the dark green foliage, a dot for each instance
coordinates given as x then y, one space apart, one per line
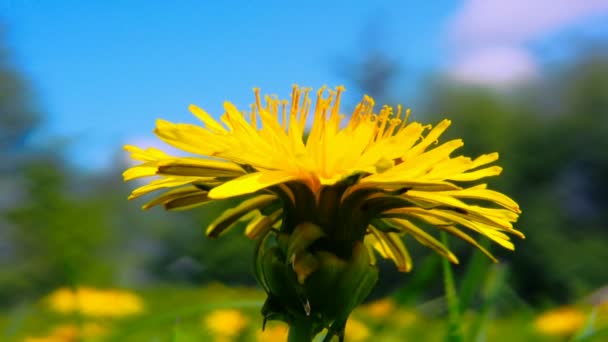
554 153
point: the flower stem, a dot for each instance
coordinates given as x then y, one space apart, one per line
300 330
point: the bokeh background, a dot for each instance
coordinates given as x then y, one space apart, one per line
80 79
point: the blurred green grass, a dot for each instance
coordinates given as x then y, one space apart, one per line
179 314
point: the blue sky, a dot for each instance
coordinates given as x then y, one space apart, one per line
103 73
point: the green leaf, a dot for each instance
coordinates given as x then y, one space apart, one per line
492 288
473 277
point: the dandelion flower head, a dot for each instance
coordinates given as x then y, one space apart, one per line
373 177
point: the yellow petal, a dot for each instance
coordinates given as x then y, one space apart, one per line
207 119
189 138
430 138
187 202
380 181
169 182
481 193
229 217
172 195
463 236
475 175
488 231
393 248
149 154
421 164
371 240
262 224
198 167
142 170
484 159
425 238
250 183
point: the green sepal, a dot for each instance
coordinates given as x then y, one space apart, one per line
319 284
261 225
229 217
258 253
384 226
282 282
282 241
304 235
381 204
303 265
354 286
272 310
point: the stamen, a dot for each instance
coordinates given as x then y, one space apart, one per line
383 117
318 105
268 104
275 106
407 116
258 100
368 107
327 103
336 108
391 129
252 117
355 119
284 110
305 108
295 99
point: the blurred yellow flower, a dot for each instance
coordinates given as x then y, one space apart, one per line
379 308
564 321
225 324
273 333
71 333
356 331
95 302
404 317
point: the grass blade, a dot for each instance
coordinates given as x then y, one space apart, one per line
454 322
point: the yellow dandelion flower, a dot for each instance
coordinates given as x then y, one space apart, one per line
50 338
564 321
95 302
356 331
226 324
63 300
272 334
329 197
379 160
404 317
380 308
71 333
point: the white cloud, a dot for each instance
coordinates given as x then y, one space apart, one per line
495 66
488 37
518 21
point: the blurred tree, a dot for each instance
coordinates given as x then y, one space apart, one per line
18 116
49 236
372 71
555 160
